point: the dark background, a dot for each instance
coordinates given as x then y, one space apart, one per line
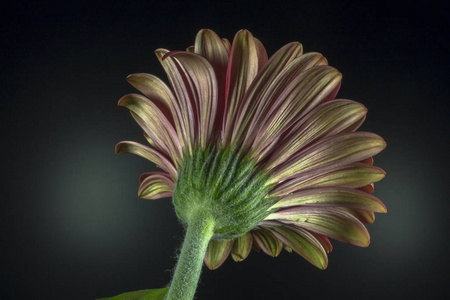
72 226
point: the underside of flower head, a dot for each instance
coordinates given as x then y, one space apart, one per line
260 144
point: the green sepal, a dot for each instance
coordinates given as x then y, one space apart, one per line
153 294
226 185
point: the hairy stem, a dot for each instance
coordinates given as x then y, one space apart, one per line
190 262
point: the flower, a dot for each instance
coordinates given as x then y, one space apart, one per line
261 146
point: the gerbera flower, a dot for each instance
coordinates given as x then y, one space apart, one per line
256 152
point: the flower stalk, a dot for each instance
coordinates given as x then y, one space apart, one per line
190 261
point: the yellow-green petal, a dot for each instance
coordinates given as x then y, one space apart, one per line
267 242
256 91
329 221
356 175
327 119
302 242
217 253
332 197
242 247
200 84
155 89
156 185
242 69
333 152
151 154
154 123
293 95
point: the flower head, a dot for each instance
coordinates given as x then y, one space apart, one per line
259 145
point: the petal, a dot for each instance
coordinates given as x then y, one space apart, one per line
291 97
182 95
267 242
323 240
332 197
365 216
148 153
217 253
242 69
241 247
301 241
156 185
260 85
333 152
328 119
201 86
262 54
226 43
355 175
210 46
285 65
370 188
329 221
154 123
158 92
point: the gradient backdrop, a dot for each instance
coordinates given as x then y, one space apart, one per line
72 226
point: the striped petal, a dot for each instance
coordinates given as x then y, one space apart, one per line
182 93
156 90
200 84
332 152
295 95
370 188
242 69
365 216
262 54
148 153
217 253
332 197
328 119
323 240
226 43
329 221
210 46
355 175
302 242
267 242
285 65
241 247
154 123
156 185
260 85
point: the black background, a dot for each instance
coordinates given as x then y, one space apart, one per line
72 226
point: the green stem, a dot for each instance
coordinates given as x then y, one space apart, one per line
190 262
